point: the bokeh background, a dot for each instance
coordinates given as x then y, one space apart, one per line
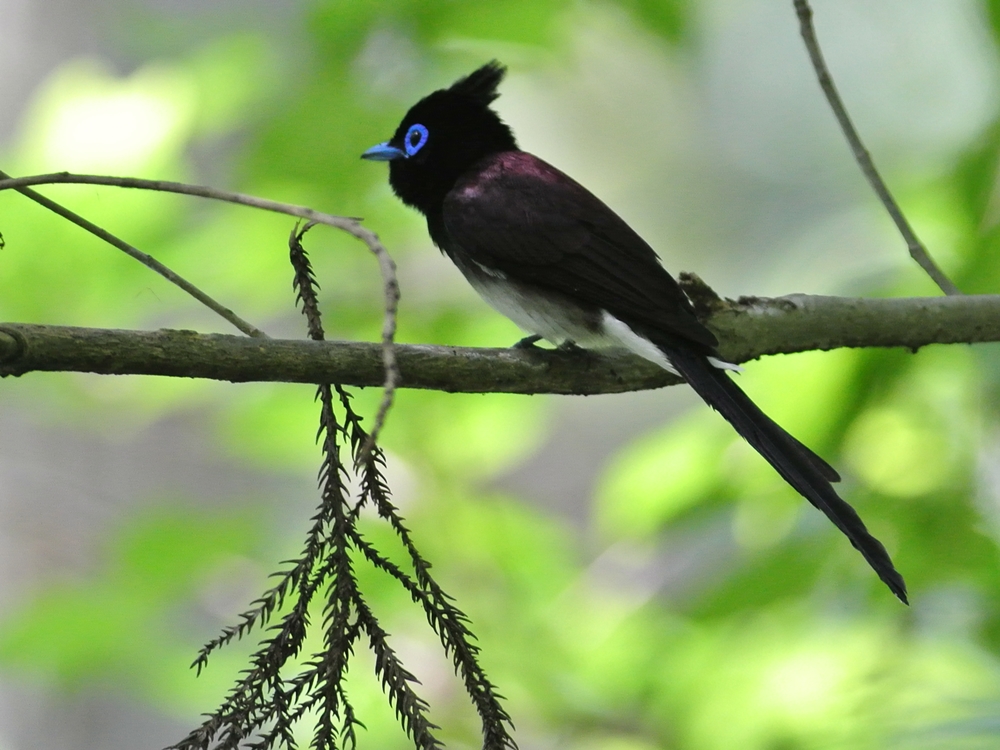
637 577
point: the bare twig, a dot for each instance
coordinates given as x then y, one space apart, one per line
144 258
165 186
917 250
387 268
391 293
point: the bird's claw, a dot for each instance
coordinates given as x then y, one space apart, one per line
569 346
528 342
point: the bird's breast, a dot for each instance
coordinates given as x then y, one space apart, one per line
554 316
550 314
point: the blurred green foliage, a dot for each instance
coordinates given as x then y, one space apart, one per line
779 638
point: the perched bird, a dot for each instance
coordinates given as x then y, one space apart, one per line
544 251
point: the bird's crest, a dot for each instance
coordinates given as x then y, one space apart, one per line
481 85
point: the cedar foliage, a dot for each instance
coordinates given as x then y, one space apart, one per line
263 707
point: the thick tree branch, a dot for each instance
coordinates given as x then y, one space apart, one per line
748 328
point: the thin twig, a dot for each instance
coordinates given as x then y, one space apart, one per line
917 250
387 268
392 377
144 258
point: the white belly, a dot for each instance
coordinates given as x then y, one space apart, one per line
559 320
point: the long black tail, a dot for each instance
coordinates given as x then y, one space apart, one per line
797 465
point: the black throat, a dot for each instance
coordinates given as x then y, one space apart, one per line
455 147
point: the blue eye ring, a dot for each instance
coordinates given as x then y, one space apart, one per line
408 141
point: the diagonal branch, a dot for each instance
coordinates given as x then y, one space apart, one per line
748 328
147 260
917 250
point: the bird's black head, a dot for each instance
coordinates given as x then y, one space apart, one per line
442 136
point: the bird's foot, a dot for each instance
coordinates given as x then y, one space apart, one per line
528 342
570 346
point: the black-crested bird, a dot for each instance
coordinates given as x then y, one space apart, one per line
544 251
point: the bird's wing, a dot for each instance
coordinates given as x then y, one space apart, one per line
519 216
516 214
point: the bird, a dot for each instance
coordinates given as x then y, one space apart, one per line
548 254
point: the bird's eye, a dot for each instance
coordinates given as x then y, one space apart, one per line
415 139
